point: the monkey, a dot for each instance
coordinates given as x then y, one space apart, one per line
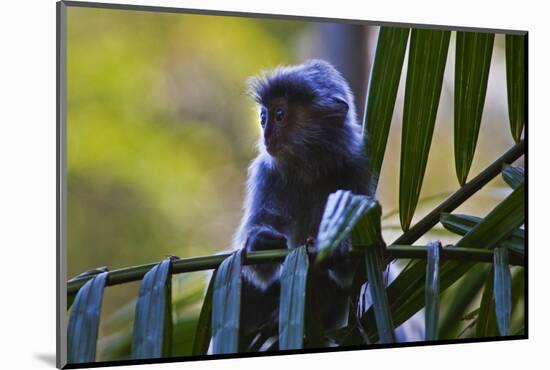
311 145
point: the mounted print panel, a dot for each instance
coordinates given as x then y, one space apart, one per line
235 185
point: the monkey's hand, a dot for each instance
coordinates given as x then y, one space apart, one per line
340 265
261 238
264 238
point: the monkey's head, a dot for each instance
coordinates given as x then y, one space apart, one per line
307 112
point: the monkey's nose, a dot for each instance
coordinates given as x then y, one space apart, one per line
268 132
270 145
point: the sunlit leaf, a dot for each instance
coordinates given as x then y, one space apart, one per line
427 58
293 299
503 290
462 224
432 290
203 333
152 336
515 82
84 321
384 82
473 61
514 176
226 305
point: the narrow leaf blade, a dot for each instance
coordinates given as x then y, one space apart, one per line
515 82
383 86
473 61
406 292
342 212
203 333
293 299
226 305
84 321
368 229
503 290
432 291
486 325
458 301
514 176
463 224
153 317
499 224
427 58
382 313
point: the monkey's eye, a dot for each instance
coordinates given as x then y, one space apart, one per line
279 114
263 118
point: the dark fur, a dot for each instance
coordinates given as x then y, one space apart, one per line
317 150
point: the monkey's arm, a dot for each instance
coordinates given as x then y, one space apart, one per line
263 226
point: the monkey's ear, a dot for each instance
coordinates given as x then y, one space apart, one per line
340 105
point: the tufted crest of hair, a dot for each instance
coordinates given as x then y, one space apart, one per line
325 130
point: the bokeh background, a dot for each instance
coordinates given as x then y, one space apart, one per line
161 131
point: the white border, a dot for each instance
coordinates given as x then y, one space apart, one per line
27 180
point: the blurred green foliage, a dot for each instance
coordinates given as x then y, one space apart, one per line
160 132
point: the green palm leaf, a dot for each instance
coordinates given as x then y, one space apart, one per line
427 57
406 294
84 321
342 211
152 336
367 236
503 290
499 224
514 176
226 305
486 325
383 86
473 61
432 290
203 333
293 299
463 224
377 288
515 82
457 301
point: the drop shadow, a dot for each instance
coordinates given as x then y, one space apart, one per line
47 358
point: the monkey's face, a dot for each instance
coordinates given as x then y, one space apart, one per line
285 124
300 128
276 119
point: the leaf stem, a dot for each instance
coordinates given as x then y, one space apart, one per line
134 273
449 253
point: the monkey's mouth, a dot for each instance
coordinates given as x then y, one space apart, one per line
272 147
